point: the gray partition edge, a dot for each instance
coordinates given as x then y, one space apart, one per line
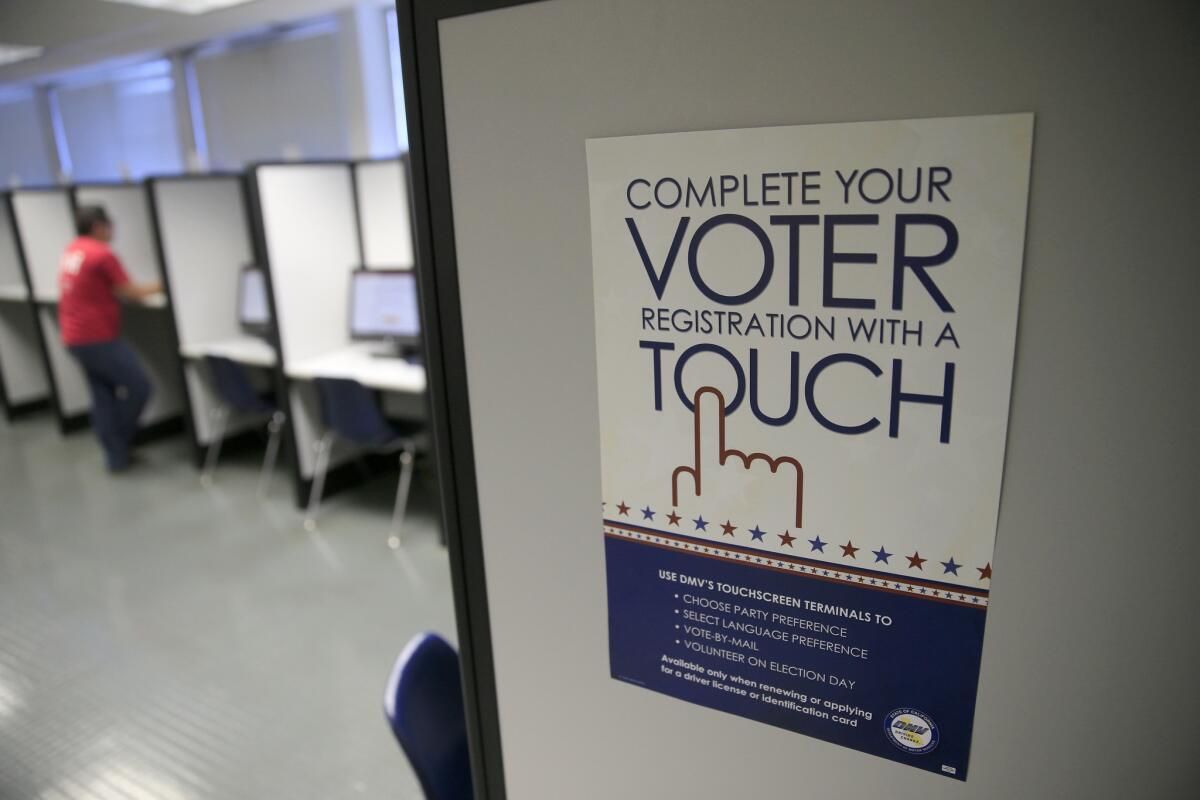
152 182
340 476
66 424
445 359
14 410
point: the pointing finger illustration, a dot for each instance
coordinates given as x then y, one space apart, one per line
711 454
709 411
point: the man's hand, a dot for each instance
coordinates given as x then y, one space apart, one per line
137 292
711 456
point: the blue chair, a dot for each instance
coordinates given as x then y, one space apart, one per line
238 396
424 706
351 412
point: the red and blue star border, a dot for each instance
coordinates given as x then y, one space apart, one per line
818 569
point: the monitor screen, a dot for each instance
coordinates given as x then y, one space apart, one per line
383 305
253 310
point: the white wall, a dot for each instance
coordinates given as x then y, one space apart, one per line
384 213
1087 686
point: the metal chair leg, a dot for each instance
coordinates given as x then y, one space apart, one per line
274 428
323 446
406 472
218 417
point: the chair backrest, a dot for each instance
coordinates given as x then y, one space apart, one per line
352 411
424 705
233 385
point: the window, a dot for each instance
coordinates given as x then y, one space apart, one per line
271 97
393 34
120 124
23 156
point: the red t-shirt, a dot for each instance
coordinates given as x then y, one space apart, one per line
87 307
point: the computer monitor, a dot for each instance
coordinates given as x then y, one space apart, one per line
383 306
254 312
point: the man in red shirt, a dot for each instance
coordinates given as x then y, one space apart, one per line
91 279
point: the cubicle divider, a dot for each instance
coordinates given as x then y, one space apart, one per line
305 223
308 223
383 188
382 193
1095 540
203 242
23 383
146 326
43 221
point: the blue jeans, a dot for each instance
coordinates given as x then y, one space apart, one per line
119 389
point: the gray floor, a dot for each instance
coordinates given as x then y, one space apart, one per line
159 640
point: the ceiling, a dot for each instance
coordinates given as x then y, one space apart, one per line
80 33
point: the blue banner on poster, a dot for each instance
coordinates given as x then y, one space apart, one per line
804 342
851 656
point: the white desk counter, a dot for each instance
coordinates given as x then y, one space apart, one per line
248 350
153 301
357 363
158 300
15 292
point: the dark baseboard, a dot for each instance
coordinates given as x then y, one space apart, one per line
18 410
348 475
240 442
171 426
73 423
158 430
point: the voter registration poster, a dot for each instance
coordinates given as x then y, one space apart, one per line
804 339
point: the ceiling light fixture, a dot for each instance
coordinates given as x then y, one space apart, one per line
183 6
11 53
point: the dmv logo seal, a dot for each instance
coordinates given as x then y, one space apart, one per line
911 730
